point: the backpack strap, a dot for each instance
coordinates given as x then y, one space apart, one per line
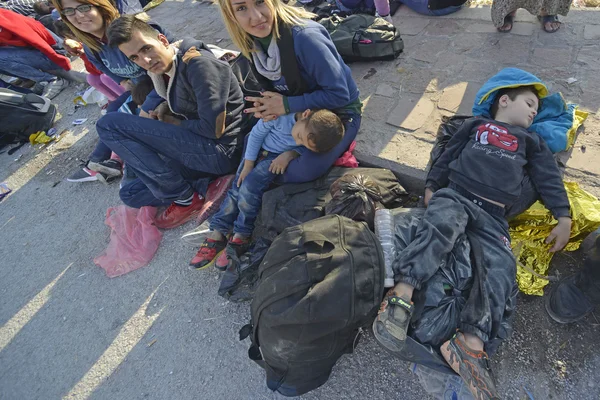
315 237
289 65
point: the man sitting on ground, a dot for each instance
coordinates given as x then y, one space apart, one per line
195 134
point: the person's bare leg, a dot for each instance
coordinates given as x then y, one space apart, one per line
550 26
404 290
508 22
238 236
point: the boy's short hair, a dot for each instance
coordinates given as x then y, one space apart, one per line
512 94
121 30
325 129
141 89
42 7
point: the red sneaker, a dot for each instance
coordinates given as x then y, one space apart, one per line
235 248
208 253
176 215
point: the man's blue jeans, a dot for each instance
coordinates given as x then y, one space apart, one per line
170 162
27 63
101 151
242 204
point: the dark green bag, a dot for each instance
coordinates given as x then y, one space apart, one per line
319 283
364 37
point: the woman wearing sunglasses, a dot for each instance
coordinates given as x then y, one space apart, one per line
88 20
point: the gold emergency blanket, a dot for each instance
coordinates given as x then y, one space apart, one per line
529 231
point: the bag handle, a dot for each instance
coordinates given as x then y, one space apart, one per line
309 237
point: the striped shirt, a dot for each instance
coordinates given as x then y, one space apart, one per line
23 7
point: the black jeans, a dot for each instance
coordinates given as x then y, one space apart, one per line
494 290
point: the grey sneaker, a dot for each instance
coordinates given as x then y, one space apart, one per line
110 168
39 87
53 88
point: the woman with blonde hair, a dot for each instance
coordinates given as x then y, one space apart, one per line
88 21
299 68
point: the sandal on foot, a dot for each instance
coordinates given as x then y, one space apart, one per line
509 19
472 366
209 251
548 19
391 324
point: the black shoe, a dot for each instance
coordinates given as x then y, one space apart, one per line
575 296
566 302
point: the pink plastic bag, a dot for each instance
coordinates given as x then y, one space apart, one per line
347 159
133 240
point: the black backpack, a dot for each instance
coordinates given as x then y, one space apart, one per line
319 283
23 114
362 37
292 204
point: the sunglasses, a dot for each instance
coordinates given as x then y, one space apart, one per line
84 8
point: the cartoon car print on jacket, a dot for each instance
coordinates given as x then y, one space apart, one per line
496 136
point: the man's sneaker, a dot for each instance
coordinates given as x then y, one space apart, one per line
576 296
38 88
84 175
234 250
110 168
176 215
53 88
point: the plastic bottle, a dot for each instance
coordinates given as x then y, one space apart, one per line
384 230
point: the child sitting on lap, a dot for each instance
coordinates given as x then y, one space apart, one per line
467 190
270 148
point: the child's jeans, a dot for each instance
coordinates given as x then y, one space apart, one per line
242 205
450 214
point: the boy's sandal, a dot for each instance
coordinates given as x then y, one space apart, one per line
474 367
391 325
548 19
508 20
209 251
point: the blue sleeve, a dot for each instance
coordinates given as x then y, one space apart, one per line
318 56
152 101
100 66
256 138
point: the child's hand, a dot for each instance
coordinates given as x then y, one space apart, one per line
560 234
279 164
427 197
248 166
